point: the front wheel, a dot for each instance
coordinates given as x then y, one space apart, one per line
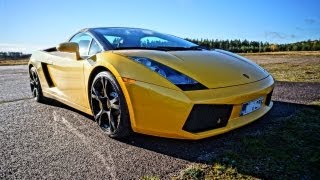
109 106
35 85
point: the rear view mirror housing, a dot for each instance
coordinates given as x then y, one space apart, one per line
70 47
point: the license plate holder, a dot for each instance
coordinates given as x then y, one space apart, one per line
251 106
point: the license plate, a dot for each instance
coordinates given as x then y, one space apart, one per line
251 106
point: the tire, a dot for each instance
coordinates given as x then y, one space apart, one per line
35 85
109 106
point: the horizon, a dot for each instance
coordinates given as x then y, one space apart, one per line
8 49
32 25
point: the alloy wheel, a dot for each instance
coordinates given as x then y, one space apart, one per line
105 104
35 84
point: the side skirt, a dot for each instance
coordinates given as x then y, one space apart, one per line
64 101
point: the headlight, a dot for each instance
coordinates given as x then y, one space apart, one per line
182 81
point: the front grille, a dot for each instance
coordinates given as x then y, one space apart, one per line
205 117
268 99
191 87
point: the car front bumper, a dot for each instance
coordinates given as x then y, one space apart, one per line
159 111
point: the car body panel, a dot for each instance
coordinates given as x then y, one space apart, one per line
162 111
155 109
211 68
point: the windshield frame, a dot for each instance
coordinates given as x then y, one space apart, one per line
108 46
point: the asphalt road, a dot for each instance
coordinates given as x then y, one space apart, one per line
54 141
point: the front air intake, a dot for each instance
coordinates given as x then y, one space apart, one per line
205 117
268 98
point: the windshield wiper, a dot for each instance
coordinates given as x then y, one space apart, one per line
146 48
198 48
165 48
173 48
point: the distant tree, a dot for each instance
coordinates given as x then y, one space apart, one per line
13 55
244 46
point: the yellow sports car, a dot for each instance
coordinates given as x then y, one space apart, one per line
138 80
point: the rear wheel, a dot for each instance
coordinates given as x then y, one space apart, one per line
109 106
35 85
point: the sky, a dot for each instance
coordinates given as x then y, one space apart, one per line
27 25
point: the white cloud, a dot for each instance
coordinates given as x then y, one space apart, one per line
25 48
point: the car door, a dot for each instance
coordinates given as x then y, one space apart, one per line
68 73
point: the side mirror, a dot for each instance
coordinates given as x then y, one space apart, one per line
69 47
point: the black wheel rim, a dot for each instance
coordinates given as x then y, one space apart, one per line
34 83
105 104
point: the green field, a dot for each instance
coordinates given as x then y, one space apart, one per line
290 66
11 62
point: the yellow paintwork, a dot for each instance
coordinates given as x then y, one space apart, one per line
156 106
70 47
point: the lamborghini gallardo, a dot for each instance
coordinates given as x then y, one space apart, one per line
143 81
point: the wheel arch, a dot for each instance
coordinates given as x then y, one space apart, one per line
96 70
92 75
30 66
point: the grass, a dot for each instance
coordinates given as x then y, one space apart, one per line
14 62
288 150
293 72
194 171
149 178
316 103
285 53
216 171
290 66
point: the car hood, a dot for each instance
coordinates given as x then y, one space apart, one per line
214 69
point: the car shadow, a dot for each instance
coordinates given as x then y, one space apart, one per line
55 103
236 143
264 148
199 150
196 151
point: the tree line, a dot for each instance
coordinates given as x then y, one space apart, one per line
13 55
237 46
246 46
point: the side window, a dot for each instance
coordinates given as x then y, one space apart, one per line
94 48
116 41
84 41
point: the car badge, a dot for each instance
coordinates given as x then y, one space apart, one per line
245 75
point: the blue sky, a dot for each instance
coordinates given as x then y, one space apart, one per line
33 24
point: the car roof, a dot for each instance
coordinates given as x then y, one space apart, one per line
90 29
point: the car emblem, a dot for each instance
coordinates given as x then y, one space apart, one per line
245 75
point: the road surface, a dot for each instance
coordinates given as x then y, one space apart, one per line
54 141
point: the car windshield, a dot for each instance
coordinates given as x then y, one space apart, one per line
132 38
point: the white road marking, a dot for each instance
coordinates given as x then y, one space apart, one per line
69 127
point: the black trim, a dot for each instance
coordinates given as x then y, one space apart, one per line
52 49
205 117
46 74
268 98
191 87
